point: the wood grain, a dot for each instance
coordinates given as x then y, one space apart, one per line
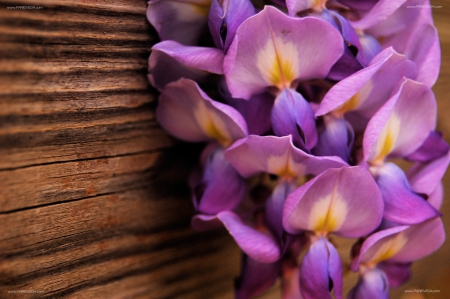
93 194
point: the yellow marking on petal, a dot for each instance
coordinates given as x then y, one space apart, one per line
318 5
211 124
284 166
328 214
278 63
201 7
386 141
349 105
388 249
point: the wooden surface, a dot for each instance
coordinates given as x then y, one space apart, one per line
93 199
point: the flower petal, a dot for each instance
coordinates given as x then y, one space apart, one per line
433 147
397 273
225 17
205 59
221 188
401 204
292 115
181 21
379 12
332 203
402 124
186 112
373 284
285 49
276 155
256 277
259 246
320 266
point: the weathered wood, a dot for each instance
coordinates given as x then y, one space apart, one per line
93 194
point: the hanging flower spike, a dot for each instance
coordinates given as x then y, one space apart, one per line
271 49
225 17
179 20
277 156
187 113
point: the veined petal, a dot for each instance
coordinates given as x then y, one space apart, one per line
368 89
256 277
292 115
259 246
186 112
283 50
331 203
402 124
373 284
401 204
276 155
180 20
221 188
205 59
320 265
402 244
379 12
225 17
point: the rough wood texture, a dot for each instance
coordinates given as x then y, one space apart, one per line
93 200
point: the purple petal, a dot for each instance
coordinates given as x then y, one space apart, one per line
292 115
256 277
401 204
432 148
295 6
370 47
186 112
367 90
397 273
336 139
276 155
425 177
258 245
380 12
221 188
402 124
164 69
284 50
274 209
255 111
205 59
178 20
402 244
373 284
320 266
224 19
332 203
437 196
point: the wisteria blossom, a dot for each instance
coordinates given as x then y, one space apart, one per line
304 109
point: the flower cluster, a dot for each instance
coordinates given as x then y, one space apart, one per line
305 108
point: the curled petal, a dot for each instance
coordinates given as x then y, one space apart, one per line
276 155
319 266
205 59
274 209
284 50
258 245
331 202
186 112
402 244
221 188
292 115
402 124
256 277
368 89
178 20
373 284
401 204
379 12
